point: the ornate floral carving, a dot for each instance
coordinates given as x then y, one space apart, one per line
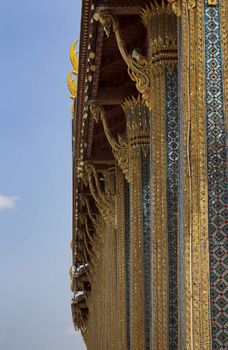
138 124
162 51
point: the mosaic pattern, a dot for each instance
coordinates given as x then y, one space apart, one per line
217 179
172 136
127 260
146 212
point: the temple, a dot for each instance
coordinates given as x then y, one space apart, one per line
149 95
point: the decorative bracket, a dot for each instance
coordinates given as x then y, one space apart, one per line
87 231
120 148
105 201
79 318
138 69
95 218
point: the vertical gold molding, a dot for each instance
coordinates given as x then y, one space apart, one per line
205 316
159 212
164 231
155 236
137 276
159 231
198 333
187 204
110 184
121 271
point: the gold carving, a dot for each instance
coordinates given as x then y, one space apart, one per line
176 6
72 80
78 278
138 124
89 236
95 218
212 2
78 319
192 4
105 201
87 239
138 68
162 51
83 218
119 148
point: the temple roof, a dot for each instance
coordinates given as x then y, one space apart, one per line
103 76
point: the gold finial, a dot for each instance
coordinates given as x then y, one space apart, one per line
74 56
72 78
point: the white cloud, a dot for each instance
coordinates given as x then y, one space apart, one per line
7 202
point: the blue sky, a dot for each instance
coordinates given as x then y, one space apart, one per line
35 176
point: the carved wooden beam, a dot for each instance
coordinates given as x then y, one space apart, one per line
116 92
106 101
117 9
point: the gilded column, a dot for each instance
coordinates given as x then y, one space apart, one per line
137 117
120 149
127 261
123 259
195 201
161 25
102 330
